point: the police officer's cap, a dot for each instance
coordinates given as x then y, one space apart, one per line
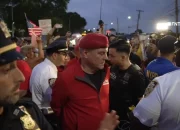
57 46
8 51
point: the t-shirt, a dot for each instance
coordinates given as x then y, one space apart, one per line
96 79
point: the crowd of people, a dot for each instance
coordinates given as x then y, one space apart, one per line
91 82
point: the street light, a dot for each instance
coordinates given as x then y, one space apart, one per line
129 17
12 14
112 23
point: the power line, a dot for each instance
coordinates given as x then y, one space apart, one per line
169 5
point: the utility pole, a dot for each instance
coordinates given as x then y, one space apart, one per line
101 10
117 25
129 29
139 16
176 14
106 28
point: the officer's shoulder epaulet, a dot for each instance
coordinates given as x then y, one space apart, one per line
135 69
26 102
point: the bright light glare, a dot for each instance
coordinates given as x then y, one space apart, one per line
78 36
111 23
94 28
162 26
129 17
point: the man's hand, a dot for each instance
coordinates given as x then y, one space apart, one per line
39 40
110 121
56 26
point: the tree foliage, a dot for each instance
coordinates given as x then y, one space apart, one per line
112 29
42 9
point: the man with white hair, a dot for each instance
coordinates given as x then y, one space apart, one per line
30 52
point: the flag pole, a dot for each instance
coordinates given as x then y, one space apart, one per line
25 16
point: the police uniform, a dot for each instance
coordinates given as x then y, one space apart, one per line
160 105
25 115
127 86
44 76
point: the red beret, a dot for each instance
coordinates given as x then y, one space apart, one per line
93 41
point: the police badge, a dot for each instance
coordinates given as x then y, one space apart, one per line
4 29
51 82
28 122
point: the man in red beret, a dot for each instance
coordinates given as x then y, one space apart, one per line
80 97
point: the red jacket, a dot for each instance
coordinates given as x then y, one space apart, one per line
71 62
77 102
26 70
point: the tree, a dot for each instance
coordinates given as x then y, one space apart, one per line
112 30
75 22
139 31
43 9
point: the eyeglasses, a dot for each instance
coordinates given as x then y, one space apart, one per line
62 53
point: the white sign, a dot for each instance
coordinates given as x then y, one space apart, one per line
46 26
173 23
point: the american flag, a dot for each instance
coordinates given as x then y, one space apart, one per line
33 28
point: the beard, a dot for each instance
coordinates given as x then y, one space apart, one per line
10 99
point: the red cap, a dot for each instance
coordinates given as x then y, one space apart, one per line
93 41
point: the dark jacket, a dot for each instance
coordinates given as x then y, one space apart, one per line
16 117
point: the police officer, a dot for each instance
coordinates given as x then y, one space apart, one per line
25 114
44 74
126 80
164 63
160 106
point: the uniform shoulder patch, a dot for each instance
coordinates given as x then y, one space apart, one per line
51 82
150 88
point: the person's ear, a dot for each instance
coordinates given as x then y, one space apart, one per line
54 56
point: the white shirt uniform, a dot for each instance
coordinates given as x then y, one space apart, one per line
162 105
42 78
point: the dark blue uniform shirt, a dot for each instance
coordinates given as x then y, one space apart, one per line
158 67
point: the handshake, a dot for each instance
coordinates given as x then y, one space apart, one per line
110 121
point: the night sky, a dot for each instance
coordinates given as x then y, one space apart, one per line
154 11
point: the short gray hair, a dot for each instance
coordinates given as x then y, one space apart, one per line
25 49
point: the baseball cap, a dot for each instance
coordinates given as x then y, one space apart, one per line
167 44
57 45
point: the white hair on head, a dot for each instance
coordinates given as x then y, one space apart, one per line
25 49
